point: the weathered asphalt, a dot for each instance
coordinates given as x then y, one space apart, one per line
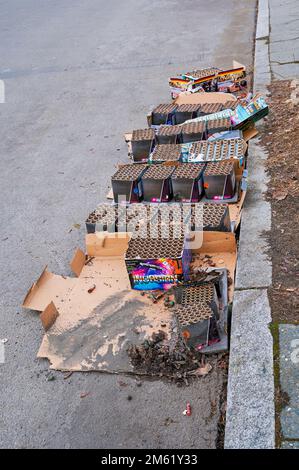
77 75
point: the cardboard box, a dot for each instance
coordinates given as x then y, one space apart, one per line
198 313
187 182
219 180
218 125
157 183
142 143
166 153
193 131
157 263
186 111
132 217
163 114
216 150
168 135
126 182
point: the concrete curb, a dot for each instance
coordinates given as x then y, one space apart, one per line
250 416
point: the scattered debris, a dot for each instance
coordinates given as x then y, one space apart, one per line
155 357
84 394
204 370
91 289
187 411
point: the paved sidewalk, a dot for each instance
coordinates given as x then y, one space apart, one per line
284 64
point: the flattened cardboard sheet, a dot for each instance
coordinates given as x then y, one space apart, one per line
204 98
99 314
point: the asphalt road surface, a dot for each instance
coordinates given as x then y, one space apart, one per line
78 75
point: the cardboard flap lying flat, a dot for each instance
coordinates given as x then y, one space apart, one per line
47 288
203 98
48 316
107 245
78 262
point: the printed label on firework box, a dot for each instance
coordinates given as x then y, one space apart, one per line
160 273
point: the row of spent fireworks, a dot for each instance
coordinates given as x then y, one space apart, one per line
174 114
185 182
139 219
147 149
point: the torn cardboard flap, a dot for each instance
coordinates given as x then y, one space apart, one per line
49 316
49 287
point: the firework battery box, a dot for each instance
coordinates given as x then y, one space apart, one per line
209 218
168 135
158 263
156 183
103 218
185 112
209 108
143 141
163 114
197 313
166 153
219 180
216 150
218 125
187 182
118 218
193 131
126 182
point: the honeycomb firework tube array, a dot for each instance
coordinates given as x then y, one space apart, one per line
157 183
193 131
163 114
210 108
166 153
133 217
217 150
126 182
142 144
219 180
197 313
186 111
187 183
218 125
168 134
157 262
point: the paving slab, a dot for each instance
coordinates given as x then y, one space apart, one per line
262 27
250 402
284 38
290 445
289 379
254 267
